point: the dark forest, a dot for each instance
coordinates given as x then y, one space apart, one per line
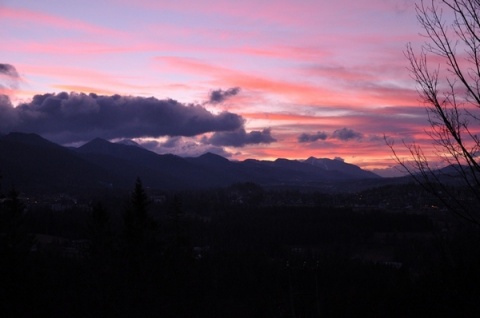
238 251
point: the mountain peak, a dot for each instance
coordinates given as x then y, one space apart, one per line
210 156
96 144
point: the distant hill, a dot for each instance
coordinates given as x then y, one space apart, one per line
339 165
32 162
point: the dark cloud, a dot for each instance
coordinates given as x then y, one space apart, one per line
346 134
7 114
9 76
341 134
65 117
219 96
321 135
9 70
240 138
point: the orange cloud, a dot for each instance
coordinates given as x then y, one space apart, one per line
84 89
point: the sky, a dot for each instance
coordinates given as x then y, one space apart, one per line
243 79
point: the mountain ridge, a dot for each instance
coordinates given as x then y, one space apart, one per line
118 163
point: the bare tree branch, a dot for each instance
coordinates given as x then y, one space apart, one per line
451 92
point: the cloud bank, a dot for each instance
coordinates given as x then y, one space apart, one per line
74 117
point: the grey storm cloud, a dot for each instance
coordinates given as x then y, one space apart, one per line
219 96
240 138
321 135
73 117
346 134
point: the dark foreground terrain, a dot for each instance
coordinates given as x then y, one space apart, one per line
239 251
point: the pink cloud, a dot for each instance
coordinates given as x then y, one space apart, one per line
86 80
305 93
82 47
366 93
282 12
28 16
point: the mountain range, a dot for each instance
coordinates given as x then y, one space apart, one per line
31 162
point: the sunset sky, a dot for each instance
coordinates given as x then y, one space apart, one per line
244 79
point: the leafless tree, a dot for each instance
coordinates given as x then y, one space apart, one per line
446 70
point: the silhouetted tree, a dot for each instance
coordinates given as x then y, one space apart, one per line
136 217
451 91
138 228
139 249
